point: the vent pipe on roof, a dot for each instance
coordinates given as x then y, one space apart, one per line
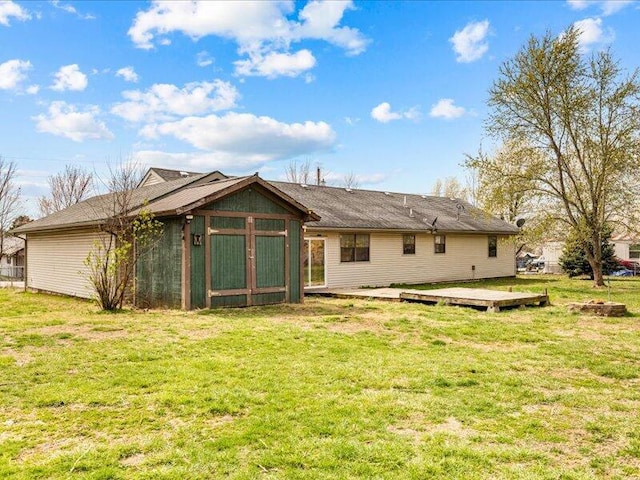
411 212
404 202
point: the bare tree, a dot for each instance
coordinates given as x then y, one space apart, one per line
9 198
129 231
581 115
350 180
449 187
299 172
67 188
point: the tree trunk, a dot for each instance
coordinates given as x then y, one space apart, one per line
595 259
598 279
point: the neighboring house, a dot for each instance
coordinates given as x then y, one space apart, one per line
159 175
626 247
551 253
246 241
12 258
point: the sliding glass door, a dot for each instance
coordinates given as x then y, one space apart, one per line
314 264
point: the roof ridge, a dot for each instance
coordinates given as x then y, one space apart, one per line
423 195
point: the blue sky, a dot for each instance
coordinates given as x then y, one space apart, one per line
393 92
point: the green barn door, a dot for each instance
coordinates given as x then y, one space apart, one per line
269 261
248 261
228 262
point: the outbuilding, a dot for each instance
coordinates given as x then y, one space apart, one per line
225 241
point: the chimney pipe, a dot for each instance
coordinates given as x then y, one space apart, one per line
318 178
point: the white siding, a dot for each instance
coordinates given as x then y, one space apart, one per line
55 262
551 253
152 178
621 250
388 264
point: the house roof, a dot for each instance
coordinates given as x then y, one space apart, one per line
173 197
96 209
197 195
341 208
333 208
12 245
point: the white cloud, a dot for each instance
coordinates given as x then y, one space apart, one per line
262 30
12 73
10 9
33 89
578 4
351 121
382 113
592 33
470 43
274 64
320 19
65 120
72 10
446 109
128 74
204 59
247 138
69 77
165 101
607 7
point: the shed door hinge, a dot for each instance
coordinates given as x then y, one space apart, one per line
213 293
211 231
284 233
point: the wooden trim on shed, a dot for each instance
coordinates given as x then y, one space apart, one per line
186 265
301 274
287 273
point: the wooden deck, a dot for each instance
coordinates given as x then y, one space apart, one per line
492 300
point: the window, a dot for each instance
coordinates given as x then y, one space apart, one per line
440 243
493 246
409 244
354 248
634 251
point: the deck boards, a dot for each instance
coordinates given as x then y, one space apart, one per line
492 300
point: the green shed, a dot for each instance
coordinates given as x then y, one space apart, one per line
230 242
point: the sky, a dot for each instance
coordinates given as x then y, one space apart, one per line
392 92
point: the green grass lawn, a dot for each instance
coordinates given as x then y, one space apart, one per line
327 389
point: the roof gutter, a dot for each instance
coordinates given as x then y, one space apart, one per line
315 228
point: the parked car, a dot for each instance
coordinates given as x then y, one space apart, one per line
623 272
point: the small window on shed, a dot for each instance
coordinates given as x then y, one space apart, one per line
634 251
440 243
409 244
493 246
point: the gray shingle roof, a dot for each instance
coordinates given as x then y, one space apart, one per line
94 210
337 207
12 245
190 195
168 175
370 209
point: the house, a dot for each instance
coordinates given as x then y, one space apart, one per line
375 238
626 247
12 258
246 241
